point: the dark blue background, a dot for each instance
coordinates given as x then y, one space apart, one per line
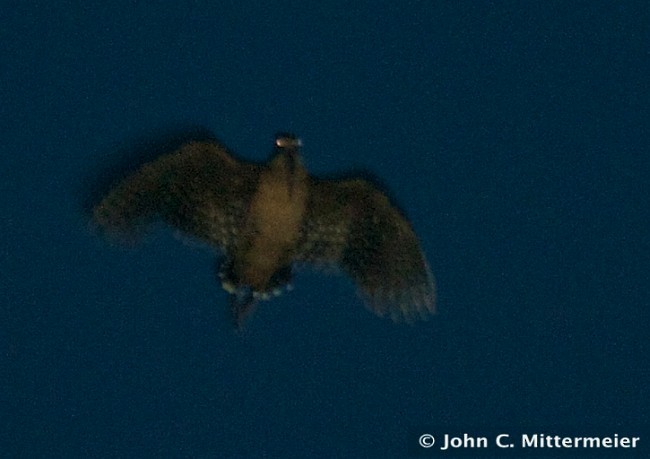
515 137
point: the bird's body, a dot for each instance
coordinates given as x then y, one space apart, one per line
266 218
276 212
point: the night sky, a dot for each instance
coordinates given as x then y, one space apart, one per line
514 136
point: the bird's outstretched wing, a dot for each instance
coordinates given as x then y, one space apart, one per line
353 225
199 189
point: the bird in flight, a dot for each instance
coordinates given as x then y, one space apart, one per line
266 218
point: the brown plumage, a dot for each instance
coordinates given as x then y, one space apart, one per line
266 218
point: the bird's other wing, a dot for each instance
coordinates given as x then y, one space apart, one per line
199 189
352 224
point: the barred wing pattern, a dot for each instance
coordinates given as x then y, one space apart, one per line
199 189
353 225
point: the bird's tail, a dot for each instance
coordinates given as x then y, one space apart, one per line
242 304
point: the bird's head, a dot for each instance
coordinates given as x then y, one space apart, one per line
286 153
